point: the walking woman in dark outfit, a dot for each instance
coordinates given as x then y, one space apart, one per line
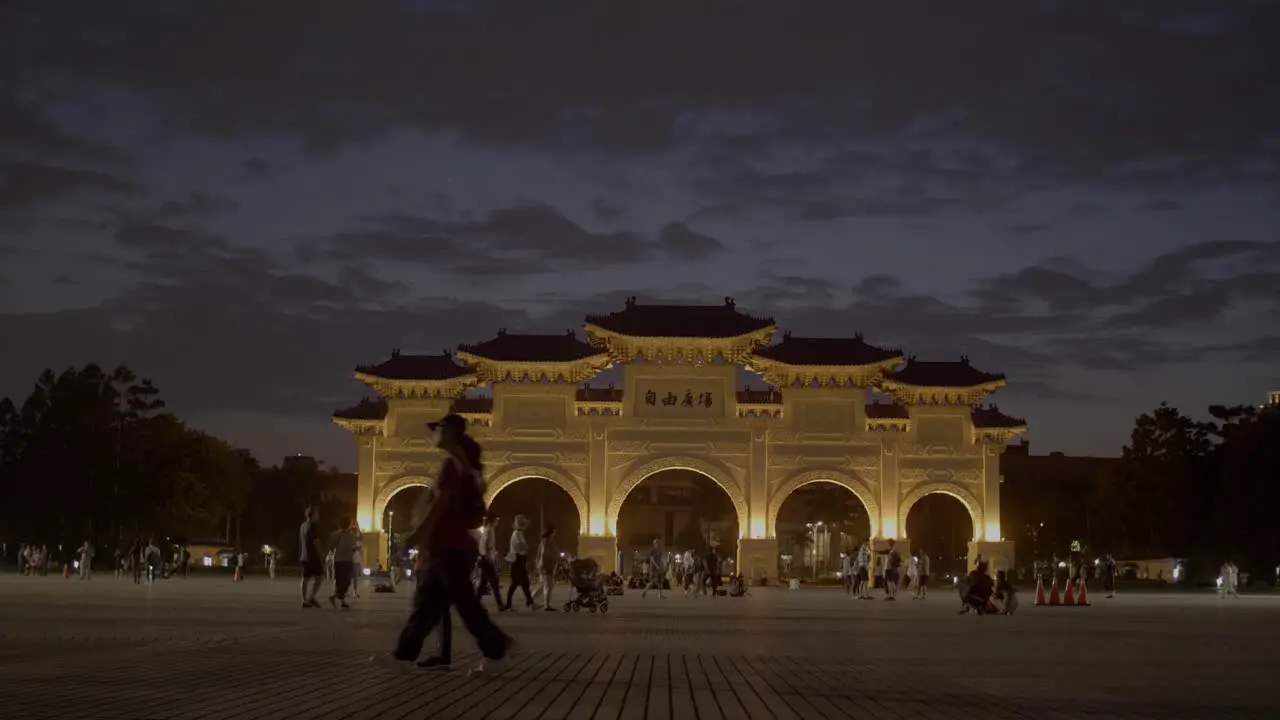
445 536
518 556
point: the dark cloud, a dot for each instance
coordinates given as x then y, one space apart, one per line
678 241
1025 229
23 183
196 205
1161 206
1069 98
255 169
523 240
605 210
64 279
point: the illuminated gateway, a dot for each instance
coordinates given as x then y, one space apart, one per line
678 408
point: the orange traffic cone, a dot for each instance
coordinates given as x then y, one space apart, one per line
1082 600
1040 591
1067 598
1054 599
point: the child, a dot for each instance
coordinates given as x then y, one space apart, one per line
1005 598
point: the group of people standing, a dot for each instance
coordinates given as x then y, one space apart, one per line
858 567
698 573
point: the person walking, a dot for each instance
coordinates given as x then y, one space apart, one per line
547 561
343 544
312 557
451 552
489 559
922 585
862 571
913 576
657 569
518 559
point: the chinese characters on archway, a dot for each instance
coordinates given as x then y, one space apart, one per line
688 400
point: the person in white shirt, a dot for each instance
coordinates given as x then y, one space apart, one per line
86 560
922 583
489 558
357 562
657 569
862 572
518 559
913 576
847 575
343 544
547 562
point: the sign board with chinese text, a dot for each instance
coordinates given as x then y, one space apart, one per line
693 398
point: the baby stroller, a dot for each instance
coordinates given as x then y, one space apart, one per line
584 575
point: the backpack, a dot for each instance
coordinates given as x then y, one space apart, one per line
471 506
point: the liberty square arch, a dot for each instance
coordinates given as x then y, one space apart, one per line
527 398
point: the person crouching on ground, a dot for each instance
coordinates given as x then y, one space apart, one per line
979 590
451 550
1005 598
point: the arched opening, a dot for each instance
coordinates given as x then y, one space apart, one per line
816 523
940 524
684 509
545 503
402 513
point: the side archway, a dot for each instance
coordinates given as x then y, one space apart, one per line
966 498
506 476
388 491
806 477
720 474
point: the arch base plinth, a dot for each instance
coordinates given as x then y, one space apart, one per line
999 555
758 560
601 548
374 550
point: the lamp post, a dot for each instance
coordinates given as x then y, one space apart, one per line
391 525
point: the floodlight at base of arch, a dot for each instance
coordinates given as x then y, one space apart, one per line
888 528
757 528
992 533
364 519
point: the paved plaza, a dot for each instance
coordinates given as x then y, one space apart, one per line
211 649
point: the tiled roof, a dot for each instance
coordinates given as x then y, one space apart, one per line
513 347
472 405
841 352
587 393
684 321
366 409
887 411
991 417
747 396
416 367
957 374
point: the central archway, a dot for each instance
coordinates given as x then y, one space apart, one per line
506 476
815 516
712 470
544 495
687 509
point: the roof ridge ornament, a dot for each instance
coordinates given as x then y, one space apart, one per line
786 335
964 359
728 302
502 332
631 302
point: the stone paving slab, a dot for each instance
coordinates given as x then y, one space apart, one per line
207 650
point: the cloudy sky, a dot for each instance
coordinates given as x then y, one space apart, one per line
244 199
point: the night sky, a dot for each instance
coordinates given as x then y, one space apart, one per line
245 199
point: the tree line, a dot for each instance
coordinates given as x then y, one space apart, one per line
1206 490
92 454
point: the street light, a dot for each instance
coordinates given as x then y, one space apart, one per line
391 525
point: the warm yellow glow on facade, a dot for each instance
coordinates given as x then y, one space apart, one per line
595 524
992 533
364 518
757 528
889 527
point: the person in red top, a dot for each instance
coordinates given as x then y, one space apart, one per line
451 551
